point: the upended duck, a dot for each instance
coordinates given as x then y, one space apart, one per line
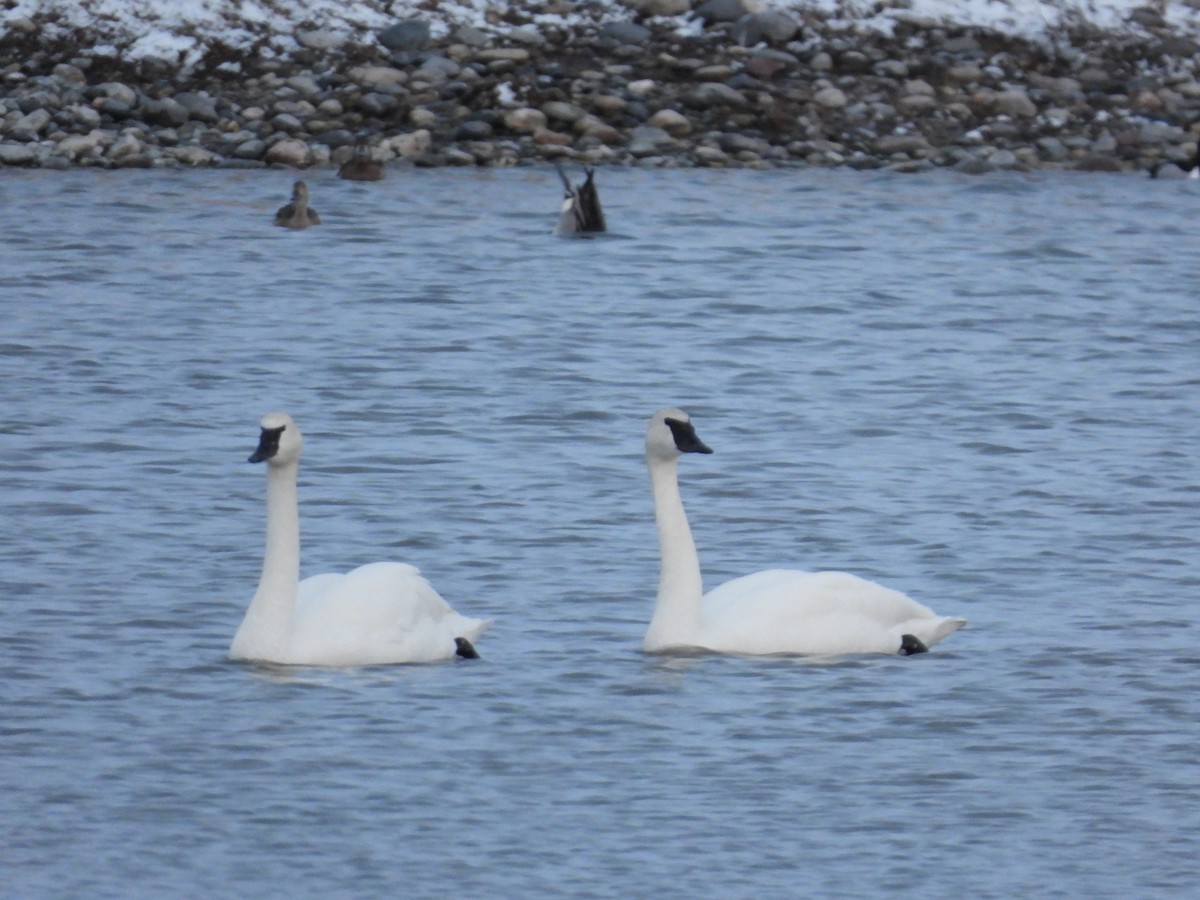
771 612
581 212
297 214
383 612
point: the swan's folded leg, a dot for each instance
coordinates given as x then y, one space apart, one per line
910 644
465 648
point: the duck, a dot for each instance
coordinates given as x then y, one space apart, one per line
581 212
1172 169
361 167
376 614
777 611
297 214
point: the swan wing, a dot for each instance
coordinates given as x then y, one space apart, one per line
377 613
814 613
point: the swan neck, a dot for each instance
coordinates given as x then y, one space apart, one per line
680 589
281 564
265 632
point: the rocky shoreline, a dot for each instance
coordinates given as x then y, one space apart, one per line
750 89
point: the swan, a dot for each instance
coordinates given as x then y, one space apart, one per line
581 213
361 167
382 612
775 611
297 214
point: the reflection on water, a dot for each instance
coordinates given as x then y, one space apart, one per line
953 386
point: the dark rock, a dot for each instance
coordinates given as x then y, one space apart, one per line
471 36
473 130
198 106
115 90
69 73
646 140
908 144
625 33
114 109
164 112
1096 163
714 94
768 63
286 122
252 149
772 27
427 160
436 69
852 61
411 34
377 104
714 11
338 137
739 143
17 155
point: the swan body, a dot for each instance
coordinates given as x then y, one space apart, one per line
581 212
769 612
379 613
297 214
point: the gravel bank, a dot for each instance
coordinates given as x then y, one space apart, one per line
761 88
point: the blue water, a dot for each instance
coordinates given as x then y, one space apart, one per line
983 392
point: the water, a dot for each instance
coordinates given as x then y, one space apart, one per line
981 391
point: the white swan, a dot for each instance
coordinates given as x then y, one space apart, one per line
776 611
379 613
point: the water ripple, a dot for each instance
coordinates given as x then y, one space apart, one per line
932 381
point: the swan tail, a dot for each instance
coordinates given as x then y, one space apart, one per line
918 635
471 629
942 629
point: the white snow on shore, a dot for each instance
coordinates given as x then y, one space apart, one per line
177 30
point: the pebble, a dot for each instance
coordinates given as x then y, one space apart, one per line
830 98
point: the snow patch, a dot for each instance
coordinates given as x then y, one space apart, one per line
181 29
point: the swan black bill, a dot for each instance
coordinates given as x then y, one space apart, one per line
911 644
268 444
465 648
686 440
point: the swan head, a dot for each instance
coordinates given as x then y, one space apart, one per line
670 434
279 443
